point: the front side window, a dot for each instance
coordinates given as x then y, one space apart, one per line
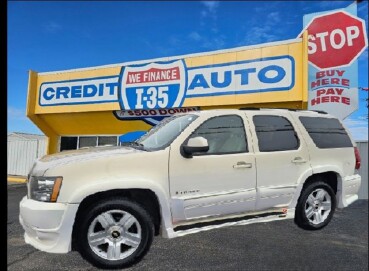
225 135
161 135
275 133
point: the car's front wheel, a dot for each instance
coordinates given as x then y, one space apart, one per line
114 234
316 206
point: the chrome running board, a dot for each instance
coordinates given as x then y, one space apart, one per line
245 220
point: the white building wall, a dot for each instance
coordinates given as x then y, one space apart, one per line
41 148
23 153
363 171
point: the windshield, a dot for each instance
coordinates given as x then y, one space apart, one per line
161 135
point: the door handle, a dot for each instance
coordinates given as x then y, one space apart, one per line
242 164
298 160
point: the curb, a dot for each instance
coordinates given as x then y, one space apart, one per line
17 179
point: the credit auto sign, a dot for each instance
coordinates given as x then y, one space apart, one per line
159 85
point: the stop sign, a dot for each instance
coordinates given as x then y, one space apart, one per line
335 39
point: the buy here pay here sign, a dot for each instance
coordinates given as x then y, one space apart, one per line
335 40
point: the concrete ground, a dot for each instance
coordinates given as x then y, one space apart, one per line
280 245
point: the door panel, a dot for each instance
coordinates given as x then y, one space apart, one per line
220 204
218 182
209 185
281 160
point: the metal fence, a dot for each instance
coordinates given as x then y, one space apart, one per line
363 171
23 153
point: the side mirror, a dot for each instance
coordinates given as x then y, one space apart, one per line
196 144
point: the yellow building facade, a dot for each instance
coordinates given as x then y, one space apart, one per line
115 99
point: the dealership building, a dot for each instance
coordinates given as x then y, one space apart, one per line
94 106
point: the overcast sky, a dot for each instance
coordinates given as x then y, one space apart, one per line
50 36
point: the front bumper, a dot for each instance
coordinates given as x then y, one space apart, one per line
48 226
349 190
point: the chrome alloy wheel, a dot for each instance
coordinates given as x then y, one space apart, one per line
114 235
318 206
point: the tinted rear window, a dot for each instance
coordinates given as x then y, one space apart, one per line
275 133
326 133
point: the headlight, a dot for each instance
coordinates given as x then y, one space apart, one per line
44 188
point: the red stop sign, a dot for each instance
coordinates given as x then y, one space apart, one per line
335 39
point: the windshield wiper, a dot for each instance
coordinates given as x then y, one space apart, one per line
137 145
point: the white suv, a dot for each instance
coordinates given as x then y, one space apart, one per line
191 172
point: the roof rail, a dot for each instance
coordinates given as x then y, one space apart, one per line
250 108
307 110
289 109
319 111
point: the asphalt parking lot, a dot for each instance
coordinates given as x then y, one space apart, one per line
280 245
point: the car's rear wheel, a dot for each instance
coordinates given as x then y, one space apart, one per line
316 206
114 234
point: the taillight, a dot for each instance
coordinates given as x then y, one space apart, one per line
357 158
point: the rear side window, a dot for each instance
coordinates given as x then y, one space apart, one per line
326 133
275 133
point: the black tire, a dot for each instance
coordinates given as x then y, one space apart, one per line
303 206
112 207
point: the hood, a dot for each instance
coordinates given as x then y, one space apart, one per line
67 157
88 152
